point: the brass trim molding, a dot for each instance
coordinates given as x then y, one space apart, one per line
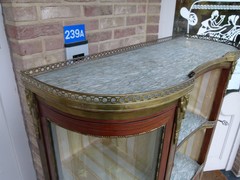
234 63
160 151
205 125
183 102
99 99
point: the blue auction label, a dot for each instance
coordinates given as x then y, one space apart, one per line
74 33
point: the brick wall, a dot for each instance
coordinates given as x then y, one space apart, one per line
35 34
236 164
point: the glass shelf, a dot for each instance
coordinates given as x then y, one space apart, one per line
184 167
190 123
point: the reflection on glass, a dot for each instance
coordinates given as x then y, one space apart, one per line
81 157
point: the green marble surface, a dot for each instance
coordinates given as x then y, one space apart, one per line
190 123
150 68
184 167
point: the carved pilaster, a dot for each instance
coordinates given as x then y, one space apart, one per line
32 104
183 102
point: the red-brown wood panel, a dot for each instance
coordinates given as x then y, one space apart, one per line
48 144
222 84
167 148
109 127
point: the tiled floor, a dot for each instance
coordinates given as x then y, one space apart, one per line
230 176
213 175
219 175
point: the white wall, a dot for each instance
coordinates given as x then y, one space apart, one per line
167 14
234 83
15 158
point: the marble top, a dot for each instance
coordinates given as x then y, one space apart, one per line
149 68
189 124
184 167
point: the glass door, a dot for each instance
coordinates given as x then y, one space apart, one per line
85 157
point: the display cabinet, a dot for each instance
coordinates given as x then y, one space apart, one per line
125 113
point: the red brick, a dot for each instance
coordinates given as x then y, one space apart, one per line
50 29
11 31
152 29
106 46
37 1
32 61
111 22
119 33
153 19
97 10
33 31
93 48
80 0
137 1
125 9
17 64
133 20
154 1
99 36
140 29
20 13
26 48
152 37
53 43
43 59
54 56
122 1
60 12
154 9
133 40
141 8
91 24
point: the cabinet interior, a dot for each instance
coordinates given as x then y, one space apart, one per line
192 132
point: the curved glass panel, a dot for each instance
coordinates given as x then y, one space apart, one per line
88 158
